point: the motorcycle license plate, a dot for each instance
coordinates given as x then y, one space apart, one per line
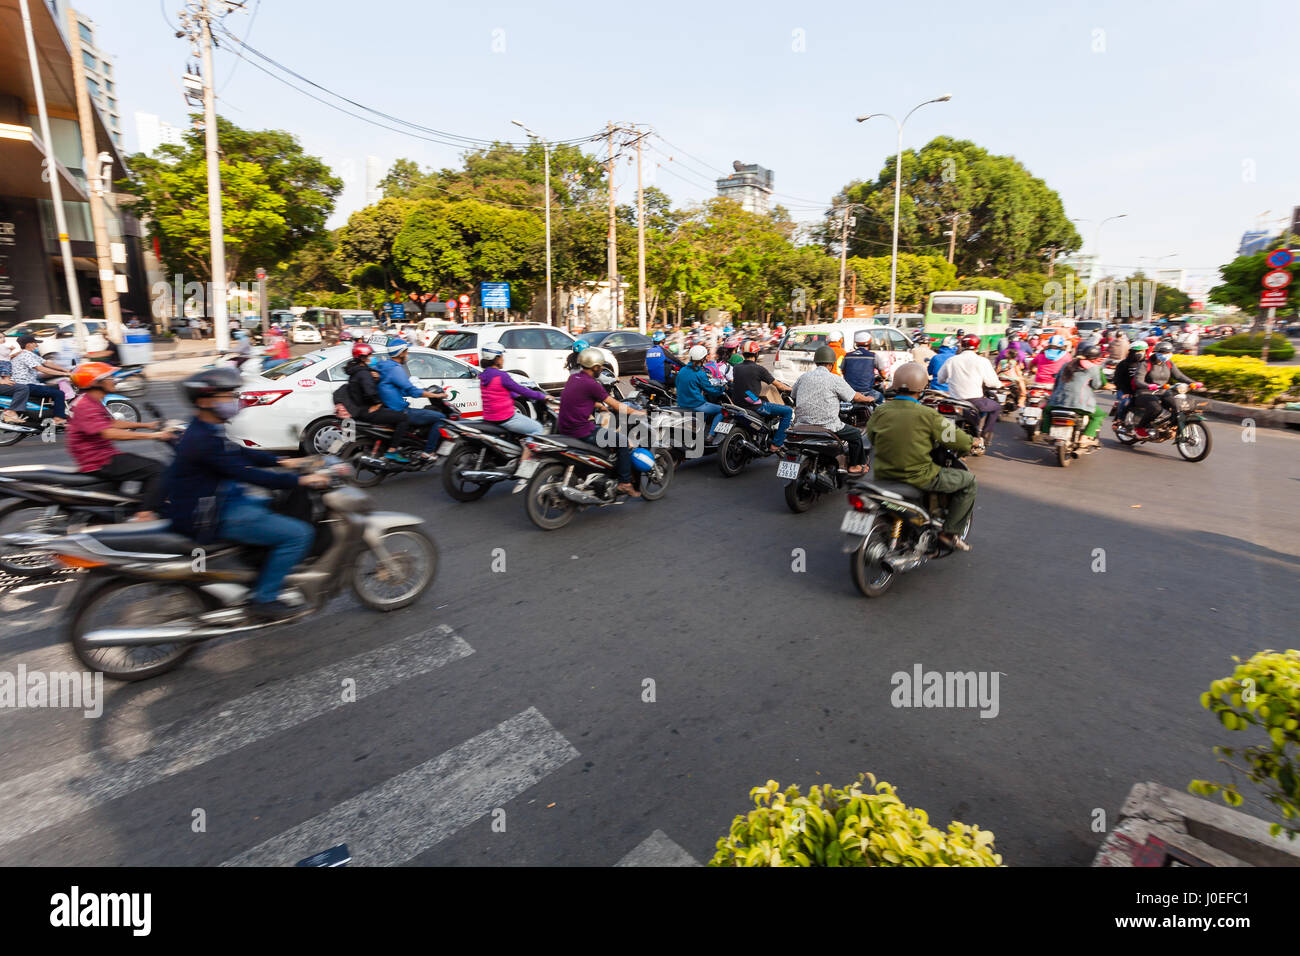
788 469
1063 432
445 448
722 428
527 468
1030 415
856 522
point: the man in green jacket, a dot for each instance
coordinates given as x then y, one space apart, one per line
903 433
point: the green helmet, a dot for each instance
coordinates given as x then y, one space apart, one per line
735 359
1140 346
825 355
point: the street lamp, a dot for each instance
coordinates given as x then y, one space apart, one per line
546 159
898 185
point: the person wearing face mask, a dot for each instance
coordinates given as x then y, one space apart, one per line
365 401
205 498
1148 379
1051 360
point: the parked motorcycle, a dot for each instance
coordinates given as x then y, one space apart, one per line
1065 431
1031 416
567 474
815 460
151 595
893 527
1185 425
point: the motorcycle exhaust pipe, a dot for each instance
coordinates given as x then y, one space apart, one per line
483 477
581 497
376 464
907 561
750 447
164 634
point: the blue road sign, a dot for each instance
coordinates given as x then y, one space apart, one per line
399 311
1279 258
496 295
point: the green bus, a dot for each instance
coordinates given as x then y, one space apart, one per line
973 311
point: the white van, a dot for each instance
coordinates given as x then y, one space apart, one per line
794 354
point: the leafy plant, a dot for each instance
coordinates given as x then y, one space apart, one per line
1263 692
1279 349
864 824
1240 379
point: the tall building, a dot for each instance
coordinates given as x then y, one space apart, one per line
750 185
152 132
98 68
374 175
1174 278
1253 241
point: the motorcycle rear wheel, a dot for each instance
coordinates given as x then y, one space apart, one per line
546 507
458 460
416 558
1064 456
151 603
799 495
732 456
364 477
871 577
22 516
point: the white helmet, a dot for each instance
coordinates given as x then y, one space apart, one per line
950 341
698 354
862 337
834 335
492 350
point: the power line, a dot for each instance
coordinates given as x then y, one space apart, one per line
249 32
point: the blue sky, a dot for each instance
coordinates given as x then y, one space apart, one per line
1179 114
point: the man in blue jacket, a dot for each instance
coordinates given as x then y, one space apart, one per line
859 366
204 495
693 386
395 386
946 351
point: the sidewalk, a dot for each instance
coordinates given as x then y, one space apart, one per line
176 359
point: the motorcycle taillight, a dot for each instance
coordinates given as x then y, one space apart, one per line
945 409
450 436
856 501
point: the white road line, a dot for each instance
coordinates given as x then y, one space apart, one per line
401 818
658 850
62 790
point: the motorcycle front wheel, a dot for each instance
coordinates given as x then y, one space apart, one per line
125 603
388 586
123 410
1195 445
871 577
654 484
546 507
29 517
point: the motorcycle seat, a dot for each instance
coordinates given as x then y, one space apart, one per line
571 442
489 428
811 431
900 488
144 537
52 475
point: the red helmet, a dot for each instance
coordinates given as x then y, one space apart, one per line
970 342
362 350
751 348
1151 340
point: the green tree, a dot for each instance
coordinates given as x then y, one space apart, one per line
1241 281
918 276
275 199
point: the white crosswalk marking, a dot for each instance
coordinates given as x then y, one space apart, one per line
401 818
658 850
55 793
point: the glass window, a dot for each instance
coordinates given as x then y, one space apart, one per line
998 311
108 84
85 33
555 339
335 373
94 87
803 341
955 305
898 342
613 340
508 340
89 60
108 68
292 367
424 366
455 341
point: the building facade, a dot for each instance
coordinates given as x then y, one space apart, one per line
152 132
750 185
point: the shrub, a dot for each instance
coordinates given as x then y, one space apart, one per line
848 827
1246 380
1263 692
1279 348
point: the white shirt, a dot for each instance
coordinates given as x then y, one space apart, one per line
966 374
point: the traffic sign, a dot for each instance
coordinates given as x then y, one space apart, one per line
1276 279
1279 258
1272 299
261 273
451 305
399 311
496 295
464 299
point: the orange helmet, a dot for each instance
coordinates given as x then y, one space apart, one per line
88 374
751 348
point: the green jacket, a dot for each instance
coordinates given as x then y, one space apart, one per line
903 432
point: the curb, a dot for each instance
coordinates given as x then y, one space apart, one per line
1265 417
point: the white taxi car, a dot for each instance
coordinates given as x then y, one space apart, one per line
291 406
305 333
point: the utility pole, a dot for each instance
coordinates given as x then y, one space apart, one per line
1051 261
95 164
844 245
612 252
679 308
52 171
640 240
952 238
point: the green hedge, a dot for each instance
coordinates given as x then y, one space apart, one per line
1245 380
1251 344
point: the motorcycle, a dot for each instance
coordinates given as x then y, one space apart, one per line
38 411
477 455
1031 416
815 458
368 448
1185 425
1007 394
893 527
1065 433
960 412
746 435
677 429
151 596
566 474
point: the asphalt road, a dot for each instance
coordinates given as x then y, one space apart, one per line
504 719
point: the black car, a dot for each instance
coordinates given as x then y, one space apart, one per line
628 348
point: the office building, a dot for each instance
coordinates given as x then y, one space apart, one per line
750 185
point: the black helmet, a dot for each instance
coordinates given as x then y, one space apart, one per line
209 382
825 355
1166 347
1091 352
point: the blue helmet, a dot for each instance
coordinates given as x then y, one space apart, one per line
657 337
397 346
642 460
579 345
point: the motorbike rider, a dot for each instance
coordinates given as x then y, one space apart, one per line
581 396
1050 361
903 433
967 374
395 387
1118 346
364 401
277 347
1075 385
1124 372
748 379
204 494
817 394
921 351
499 390
571 360
946 351
694 388
92 431
835 339
1149 378
27 368
1012 362
861 368
655 357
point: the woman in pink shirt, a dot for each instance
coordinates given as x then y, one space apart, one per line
1050 361
499 390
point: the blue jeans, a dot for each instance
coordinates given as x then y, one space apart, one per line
427 416
713 410
787 415
251 521
52 392
521 424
